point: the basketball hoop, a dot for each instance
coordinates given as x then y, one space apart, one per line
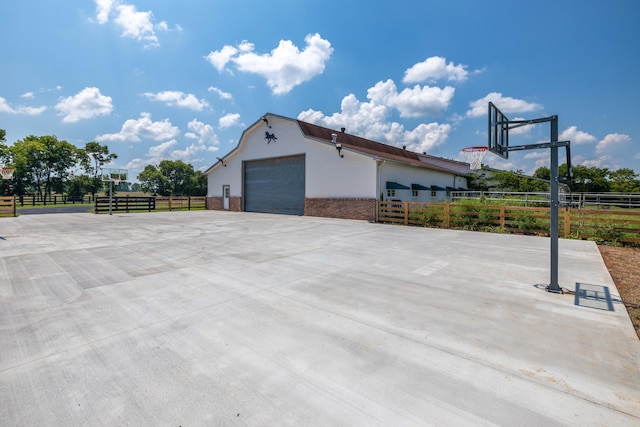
7 173
475 155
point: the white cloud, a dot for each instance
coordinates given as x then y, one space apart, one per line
29 95
161 151
133 23
415 102
170 150
229 120
284 68
203 132
86 104
611 141
135 129
600 162
178 99
505 104
137 25
370 120
103 9
433 69
425 137
30 111
220 58
577 137
220 93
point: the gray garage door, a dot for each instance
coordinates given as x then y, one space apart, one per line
274 185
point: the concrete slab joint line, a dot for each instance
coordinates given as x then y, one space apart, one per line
219 317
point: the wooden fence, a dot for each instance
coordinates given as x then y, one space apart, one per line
7 206
602 225
181 203
149 204
51 200
574 200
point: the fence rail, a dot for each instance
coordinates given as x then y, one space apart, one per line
576 200
51 200
7 206
149 204
605 225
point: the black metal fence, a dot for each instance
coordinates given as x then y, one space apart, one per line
32 200
124 204
149 204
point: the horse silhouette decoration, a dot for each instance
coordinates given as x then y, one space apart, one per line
270 137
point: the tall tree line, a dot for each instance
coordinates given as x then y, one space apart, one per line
585 179
45 164
173 178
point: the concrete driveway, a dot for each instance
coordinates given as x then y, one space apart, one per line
217 318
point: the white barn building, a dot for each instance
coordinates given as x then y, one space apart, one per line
284 165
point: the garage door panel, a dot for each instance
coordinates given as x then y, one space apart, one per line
275 185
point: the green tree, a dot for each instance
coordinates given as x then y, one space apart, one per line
590 179
42 162
79 185
624 180
173 178
153 181
93 157
198 184
179 174
4 159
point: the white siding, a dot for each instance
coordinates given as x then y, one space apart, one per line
327 174
407 175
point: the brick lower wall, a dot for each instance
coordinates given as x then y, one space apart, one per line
324 207
216 204
341 208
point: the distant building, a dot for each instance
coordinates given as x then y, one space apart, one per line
284 165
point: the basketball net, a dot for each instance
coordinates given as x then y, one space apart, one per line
116 181
7 173
475 156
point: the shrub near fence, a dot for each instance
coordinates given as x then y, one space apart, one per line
611 226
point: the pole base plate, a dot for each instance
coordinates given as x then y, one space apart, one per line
554 289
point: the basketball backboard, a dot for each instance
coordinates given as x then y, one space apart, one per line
498 132
114 174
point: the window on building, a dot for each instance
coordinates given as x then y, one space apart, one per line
391 193
414 193
433 194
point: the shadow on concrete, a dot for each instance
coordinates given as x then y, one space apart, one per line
593 296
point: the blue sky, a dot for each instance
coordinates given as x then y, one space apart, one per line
181 80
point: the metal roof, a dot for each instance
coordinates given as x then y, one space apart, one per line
384 151
391 185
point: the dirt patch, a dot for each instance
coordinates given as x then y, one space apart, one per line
624 266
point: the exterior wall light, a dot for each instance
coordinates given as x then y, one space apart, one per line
221 161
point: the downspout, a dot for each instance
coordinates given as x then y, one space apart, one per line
379 187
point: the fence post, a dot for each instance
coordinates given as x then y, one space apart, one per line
503 217
188 203
447 215
406 213
567 222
